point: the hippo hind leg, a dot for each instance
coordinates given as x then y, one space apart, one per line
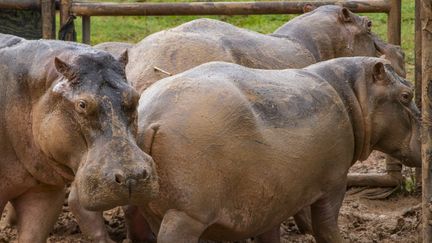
325 212
271 236
179 227
37 211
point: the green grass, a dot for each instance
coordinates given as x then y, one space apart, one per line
133 29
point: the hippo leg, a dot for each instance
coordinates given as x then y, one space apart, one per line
179 227
37 211
91 223
303 221
271 236
138 229
325 212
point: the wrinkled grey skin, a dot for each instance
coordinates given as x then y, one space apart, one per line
67 112
239 150
325 33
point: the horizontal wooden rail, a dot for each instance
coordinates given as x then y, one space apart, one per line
217 8
20 4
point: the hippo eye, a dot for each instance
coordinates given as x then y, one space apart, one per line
406 97
369 25
81 106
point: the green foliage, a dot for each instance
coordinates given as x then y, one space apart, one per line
133 29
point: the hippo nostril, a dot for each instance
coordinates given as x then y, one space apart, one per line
145 174
119 178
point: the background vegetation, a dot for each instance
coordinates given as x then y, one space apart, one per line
133 29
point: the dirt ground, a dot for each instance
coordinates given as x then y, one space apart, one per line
395 219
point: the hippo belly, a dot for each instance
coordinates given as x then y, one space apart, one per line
243 152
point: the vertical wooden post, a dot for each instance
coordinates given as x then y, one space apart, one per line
426 25
394 22
65 6
418 55
48 19
86 29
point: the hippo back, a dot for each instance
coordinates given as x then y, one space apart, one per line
205 40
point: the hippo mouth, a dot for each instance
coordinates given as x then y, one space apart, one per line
95 193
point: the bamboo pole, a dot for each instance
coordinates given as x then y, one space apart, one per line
218 8
426 24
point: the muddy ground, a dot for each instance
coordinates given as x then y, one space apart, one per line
395 219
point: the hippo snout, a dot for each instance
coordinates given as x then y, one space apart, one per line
119 174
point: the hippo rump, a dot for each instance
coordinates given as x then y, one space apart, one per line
67 112
239 150
325 33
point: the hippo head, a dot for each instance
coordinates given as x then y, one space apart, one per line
87 123
391 117
332 31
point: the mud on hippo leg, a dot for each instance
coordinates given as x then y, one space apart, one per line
37 211
138 230
91 223
271 236
179 227
388 182
325 214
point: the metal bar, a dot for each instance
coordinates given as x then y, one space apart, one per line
425 16
86 29
48 19
20 5
217 8
394 22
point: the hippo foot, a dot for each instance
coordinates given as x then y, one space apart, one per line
374 193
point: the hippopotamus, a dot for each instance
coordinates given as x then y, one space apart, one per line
327 32
335 32
67 114
115 48
239 150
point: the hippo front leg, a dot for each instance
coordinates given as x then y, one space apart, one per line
37 210
138 229
325 214
179 227
91 223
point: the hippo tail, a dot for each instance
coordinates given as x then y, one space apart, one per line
9 40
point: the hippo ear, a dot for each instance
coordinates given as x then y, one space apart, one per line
64 68
379 74
308 8
345 15
124 58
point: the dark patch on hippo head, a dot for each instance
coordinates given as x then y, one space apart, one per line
88 122
393 115
333 31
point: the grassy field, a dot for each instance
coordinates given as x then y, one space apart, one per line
133 29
